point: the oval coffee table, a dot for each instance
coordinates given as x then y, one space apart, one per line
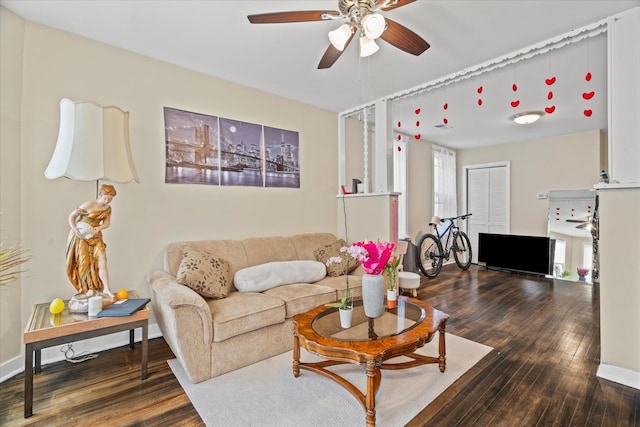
368 342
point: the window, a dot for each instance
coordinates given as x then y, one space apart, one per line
400 182
444 182
559 258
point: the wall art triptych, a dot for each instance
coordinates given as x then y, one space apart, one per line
202 149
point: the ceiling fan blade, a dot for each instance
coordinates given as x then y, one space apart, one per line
296 16
395 5
403 38
332 54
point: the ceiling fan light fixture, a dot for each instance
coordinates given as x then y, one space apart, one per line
367 47
526 117
340 36
373 25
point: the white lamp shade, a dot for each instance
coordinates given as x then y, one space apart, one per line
93 144
367 47
373 25
340 36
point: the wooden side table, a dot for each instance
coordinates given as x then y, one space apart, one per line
47 330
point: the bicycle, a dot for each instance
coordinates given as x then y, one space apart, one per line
431 254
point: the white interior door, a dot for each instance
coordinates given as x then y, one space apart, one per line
487 198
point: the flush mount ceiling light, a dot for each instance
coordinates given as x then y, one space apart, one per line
527 117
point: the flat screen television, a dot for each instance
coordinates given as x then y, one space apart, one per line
527 254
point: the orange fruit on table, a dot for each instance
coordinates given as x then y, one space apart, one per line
122 294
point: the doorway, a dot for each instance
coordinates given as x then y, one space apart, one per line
486 196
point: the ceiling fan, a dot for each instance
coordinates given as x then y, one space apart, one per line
363 16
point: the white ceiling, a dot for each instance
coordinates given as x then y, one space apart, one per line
215 38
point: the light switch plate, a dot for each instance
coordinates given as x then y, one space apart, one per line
542 195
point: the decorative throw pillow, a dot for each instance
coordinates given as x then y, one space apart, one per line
323 254
271 274
205 273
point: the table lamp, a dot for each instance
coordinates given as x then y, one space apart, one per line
92 145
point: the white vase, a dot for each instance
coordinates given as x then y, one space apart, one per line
373 294
346 314
392 298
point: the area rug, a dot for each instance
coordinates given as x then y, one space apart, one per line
267 394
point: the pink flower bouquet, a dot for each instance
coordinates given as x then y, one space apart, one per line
373 256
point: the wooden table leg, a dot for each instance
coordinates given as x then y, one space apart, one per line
145 350
442 349
28 381
370 398
296 356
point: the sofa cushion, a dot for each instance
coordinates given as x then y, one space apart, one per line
243 312
340 285
206 274
269 275
261 250
302 297
324 253
306 244
231 250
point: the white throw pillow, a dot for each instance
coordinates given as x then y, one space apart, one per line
266 276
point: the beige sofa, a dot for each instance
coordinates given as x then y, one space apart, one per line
212 336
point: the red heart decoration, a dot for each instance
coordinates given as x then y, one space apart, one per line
399 137
588 113
399 148
514 87
587 77
417 111
445 106
550 95
550 110
445 121
588 95
417 136
399 125
480 89
550 81
479 101
515 103
417 123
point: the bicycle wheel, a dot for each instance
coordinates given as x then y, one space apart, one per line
429 255
462 250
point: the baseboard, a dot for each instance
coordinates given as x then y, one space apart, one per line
619 375
53 354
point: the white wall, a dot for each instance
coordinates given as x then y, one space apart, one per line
148 215
560 163
11 36
620 285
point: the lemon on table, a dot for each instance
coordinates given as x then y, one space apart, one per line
122 294
56 306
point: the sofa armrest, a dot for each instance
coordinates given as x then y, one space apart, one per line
175 296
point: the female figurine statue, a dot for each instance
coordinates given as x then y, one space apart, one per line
86 253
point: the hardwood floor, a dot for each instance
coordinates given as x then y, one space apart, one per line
545 335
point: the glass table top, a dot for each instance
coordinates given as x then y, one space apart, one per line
393 321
